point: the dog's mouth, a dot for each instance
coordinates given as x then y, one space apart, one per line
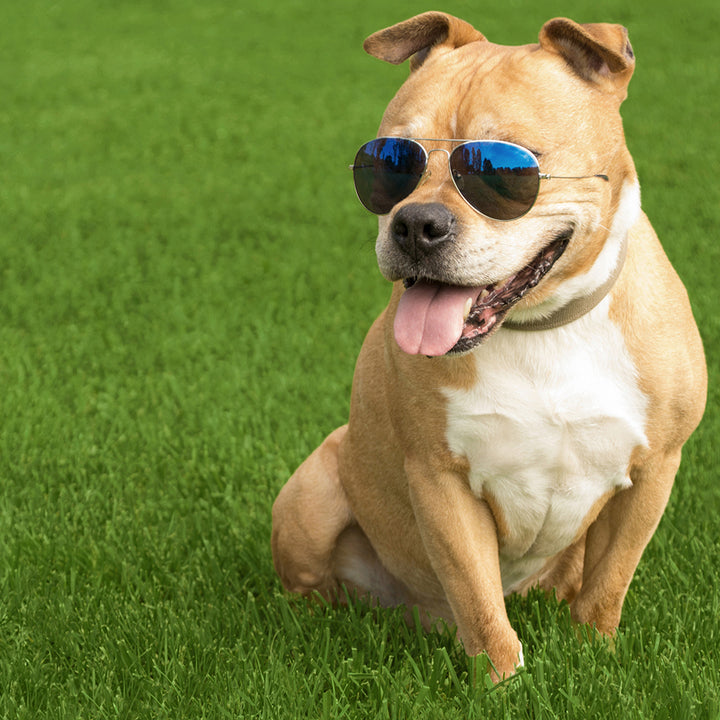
434 318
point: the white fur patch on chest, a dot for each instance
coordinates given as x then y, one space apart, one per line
548 429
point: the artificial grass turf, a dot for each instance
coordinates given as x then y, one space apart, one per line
186 278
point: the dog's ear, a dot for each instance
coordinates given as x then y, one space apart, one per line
417 36
599 53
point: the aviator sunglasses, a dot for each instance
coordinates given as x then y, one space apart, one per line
498 179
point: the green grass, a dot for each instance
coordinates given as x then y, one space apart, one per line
185 281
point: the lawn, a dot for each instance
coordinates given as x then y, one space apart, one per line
186 278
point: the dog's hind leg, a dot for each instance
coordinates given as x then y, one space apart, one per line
308 517
358 568
318 546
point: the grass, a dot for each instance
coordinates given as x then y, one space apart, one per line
185 281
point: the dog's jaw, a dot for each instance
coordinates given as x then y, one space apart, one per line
468 315
488 314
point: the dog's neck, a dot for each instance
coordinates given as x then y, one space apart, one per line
575 308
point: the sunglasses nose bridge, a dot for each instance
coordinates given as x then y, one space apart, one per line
440 150
437 150
438 165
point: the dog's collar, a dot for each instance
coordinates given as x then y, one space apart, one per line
575 308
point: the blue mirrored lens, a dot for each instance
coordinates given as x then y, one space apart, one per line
386 171
498 179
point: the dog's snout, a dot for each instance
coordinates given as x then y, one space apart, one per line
420 228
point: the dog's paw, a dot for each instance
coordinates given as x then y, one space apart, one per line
502 665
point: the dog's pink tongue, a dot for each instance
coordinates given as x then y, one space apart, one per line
429 319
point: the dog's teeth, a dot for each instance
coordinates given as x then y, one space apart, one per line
468 308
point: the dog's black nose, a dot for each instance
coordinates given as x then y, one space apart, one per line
419 228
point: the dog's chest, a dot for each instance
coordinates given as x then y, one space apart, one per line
548 430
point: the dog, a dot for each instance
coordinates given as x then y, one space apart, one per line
518 410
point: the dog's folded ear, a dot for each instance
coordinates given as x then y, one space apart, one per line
417 36
597 52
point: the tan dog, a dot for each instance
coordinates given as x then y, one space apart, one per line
538 444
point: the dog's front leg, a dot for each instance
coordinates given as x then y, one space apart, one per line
617 539
460 538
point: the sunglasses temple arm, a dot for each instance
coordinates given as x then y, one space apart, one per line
545 176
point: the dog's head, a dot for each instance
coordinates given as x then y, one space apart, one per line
466 272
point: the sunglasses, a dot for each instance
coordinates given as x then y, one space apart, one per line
498 179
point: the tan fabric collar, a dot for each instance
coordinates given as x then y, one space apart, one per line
576 308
